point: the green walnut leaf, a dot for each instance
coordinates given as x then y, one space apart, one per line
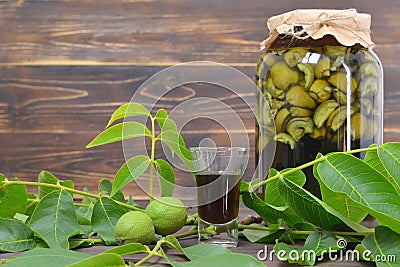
106 213
84 213
86 229
364 185
343 204
262 236
54 219
49 178
372 158
205 255
168 125
306 205
204 250
315 245
119 132
229 259
340 201
269 213
212 255
127 249
363 253
166 177
105 187
15 236
177 146
131 170
384 246
170 136
21 217
128 110
45 257
132 203
172 242
389 154
101 260
32 203
169 260
79 243
272 195
321 241
161 116
353 225
13 199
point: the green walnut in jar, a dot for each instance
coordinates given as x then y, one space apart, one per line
324 85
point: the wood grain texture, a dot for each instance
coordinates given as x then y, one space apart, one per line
65 66
51 113
161 32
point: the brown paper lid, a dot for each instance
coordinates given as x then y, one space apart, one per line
348 26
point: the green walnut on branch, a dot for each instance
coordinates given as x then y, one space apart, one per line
310 97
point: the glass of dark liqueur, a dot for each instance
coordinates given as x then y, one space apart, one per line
218 171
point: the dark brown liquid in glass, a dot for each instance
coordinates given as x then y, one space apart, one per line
225 208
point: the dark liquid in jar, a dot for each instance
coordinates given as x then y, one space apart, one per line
223 209
306 150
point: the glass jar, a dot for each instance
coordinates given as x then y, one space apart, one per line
324 97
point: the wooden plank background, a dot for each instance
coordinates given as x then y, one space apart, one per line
66 65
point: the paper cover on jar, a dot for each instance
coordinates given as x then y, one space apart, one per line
348 26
